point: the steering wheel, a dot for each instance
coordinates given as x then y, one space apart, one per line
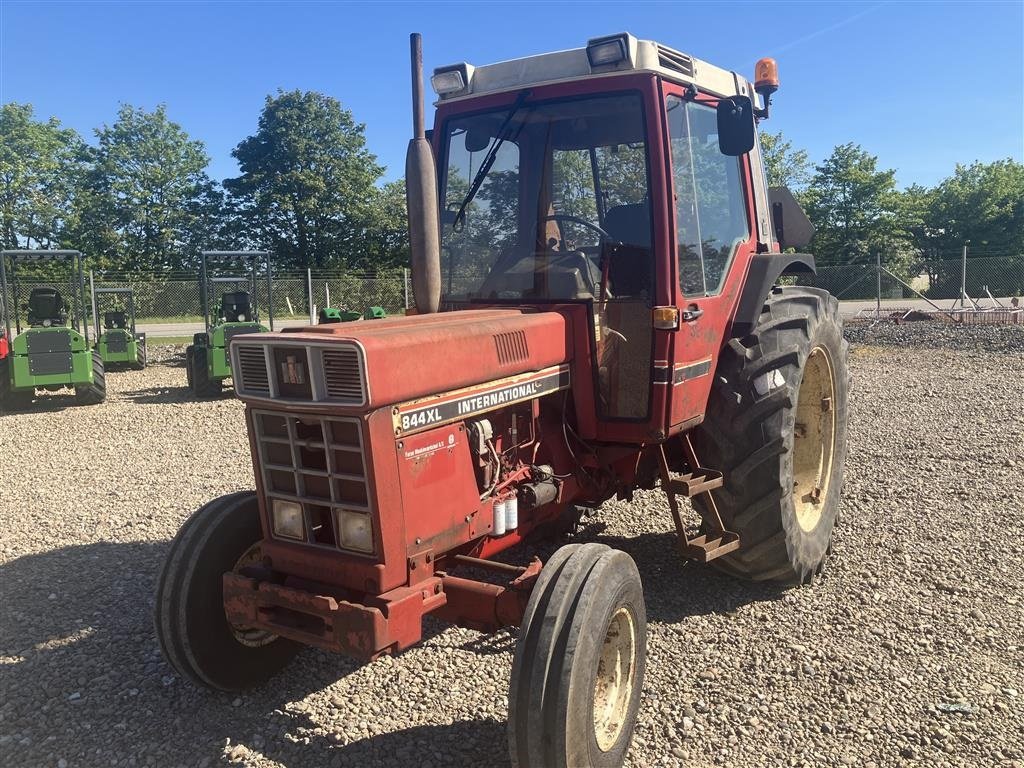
560 217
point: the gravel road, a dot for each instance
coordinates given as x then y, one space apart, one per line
908 651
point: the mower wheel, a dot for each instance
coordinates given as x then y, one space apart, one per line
579 662
189 362
191 626
201 383
776 427
95 393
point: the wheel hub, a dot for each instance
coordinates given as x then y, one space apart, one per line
814 438
616 673
251 636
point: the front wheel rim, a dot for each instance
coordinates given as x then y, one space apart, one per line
814 438
616 675
250 637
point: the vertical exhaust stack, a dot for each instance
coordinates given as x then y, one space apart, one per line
421 198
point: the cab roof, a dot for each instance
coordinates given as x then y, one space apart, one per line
575 64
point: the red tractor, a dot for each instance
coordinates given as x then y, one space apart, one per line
596 257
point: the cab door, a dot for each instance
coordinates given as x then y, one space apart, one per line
713 239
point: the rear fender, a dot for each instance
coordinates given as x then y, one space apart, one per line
764 272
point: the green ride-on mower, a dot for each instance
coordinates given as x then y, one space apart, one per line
117 341
343 315
207 363
53 351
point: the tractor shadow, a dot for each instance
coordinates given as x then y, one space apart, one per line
675 588
51 402
82 678
160 396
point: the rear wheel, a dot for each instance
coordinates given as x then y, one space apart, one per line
202 384
191 626
579 661
96 392
776 426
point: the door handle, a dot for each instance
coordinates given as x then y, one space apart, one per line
691 313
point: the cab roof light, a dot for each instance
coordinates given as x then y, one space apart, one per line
606 51
450 80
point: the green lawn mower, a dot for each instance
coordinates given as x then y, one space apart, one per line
117 341
53 351
207 362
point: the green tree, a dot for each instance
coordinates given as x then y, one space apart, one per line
147 202
41 165
783 165
853 207
307 187
983 203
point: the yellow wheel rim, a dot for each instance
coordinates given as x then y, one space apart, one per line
814 438
616 674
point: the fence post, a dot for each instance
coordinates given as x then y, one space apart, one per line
309 295
878 278
963 277
92 297
405 285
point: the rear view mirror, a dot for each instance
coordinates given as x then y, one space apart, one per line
477 141
735 126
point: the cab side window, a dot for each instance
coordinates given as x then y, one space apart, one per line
711 215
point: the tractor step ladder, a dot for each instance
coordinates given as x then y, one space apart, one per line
717 541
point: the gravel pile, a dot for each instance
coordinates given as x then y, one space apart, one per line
938 334
909 650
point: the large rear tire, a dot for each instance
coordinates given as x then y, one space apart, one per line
96 392
776 427
579 662
193 631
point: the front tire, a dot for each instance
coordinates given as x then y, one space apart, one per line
579 662
201 383
776 427
193 631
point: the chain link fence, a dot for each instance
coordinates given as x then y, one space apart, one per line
1001 277
175 298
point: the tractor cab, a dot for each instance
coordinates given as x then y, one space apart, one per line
46 307
51 351
207 363
117 342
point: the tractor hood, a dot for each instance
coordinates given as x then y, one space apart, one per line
403 358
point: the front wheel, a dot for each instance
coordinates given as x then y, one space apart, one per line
776 427
193 631
579 662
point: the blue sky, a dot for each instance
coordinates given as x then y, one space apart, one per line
923 85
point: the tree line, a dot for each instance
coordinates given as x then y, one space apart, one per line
139 197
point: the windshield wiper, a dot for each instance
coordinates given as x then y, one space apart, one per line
485 166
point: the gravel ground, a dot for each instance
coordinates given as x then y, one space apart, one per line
908 651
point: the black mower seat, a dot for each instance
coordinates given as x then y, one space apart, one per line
236 307
115 320
46 307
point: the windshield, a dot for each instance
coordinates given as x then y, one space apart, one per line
553 199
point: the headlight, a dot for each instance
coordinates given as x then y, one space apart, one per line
241 318
355 531
47 323
287 519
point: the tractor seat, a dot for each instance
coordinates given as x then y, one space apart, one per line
236 308
114 320
631 268
46 307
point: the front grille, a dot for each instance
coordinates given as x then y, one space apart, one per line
343 376
313 373
240 330
252 370
315 461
